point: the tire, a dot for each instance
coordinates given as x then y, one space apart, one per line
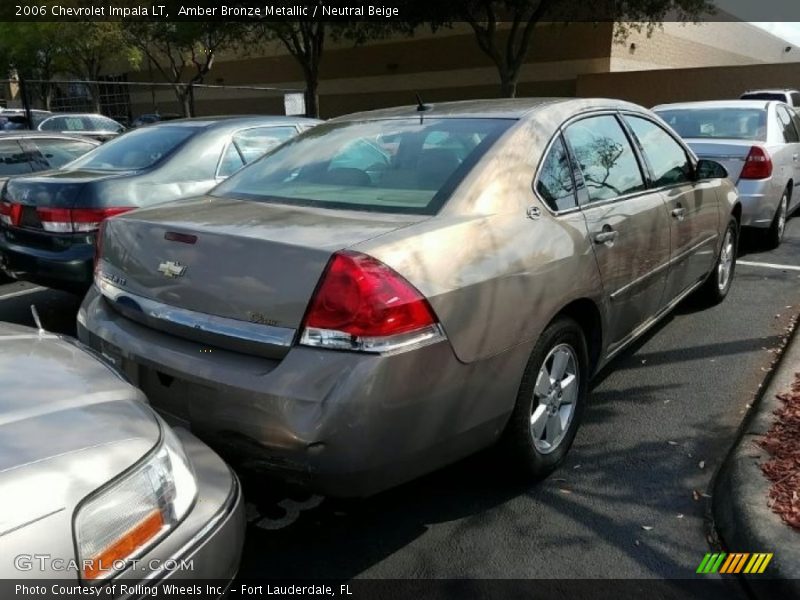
714 290
774 235
526 444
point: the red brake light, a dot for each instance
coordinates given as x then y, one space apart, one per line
757 165
362 304
10 213
76 220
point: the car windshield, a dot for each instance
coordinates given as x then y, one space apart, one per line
391 165
135 150
727 123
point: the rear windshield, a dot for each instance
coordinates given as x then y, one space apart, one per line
764 96
728 123
392 165
81 123
134 150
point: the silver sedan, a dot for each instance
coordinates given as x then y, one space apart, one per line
758 142
95 487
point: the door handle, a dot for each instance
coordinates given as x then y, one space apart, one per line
795 156
607 236
679 213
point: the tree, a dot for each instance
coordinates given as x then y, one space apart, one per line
34 50
92 47
182 52
504 29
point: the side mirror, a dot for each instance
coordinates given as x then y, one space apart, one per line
710 169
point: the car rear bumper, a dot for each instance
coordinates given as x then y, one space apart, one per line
341 423
207 545
759 200
71 268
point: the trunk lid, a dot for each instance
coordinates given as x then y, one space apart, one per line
731 154
233 266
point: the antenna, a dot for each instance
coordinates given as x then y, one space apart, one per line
37 320
421 106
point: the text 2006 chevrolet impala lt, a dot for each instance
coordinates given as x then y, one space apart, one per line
394 290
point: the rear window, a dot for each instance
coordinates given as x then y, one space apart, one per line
80 123
780 96
727 123
138 149
392 165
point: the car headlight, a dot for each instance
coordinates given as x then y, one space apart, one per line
128 517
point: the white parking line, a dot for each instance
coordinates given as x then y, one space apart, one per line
21 293
747 263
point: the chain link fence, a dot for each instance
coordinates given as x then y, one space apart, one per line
138 102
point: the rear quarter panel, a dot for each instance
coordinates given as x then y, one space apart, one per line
494 276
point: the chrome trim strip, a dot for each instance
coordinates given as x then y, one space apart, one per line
196 321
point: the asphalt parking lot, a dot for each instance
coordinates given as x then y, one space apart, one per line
629 502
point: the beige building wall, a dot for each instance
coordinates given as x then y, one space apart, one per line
678 85
708 44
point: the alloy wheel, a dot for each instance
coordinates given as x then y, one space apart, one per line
555 398
726 257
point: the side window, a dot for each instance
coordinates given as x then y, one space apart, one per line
231 161
55 153
54 124
795 97
790 135
254 143
605 158
13 160
554 184
666 157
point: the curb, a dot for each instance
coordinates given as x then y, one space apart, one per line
742 519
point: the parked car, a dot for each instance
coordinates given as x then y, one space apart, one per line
758 143
95 126
91 478
13 119
48 221
150 118
25 152
354 324
787 96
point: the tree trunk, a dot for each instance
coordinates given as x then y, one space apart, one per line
312 96
508 85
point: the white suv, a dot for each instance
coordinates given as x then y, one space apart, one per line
787 96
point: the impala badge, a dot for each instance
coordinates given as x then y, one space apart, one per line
172 269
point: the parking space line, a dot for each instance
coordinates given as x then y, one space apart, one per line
21 293
747 263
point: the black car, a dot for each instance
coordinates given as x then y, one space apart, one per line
150 118
48 222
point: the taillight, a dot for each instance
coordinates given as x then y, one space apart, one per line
98 246
757 165
362 304
7 213
76 220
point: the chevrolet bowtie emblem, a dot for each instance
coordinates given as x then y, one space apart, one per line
172 269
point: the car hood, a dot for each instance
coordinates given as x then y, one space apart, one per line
68 425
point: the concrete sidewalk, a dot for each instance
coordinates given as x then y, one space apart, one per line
743 520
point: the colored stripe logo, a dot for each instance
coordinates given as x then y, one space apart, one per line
737 562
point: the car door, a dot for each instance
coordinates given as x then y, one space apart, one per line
692 204
788 121
628 223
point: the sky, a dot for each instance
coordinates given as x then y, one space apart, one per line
788 31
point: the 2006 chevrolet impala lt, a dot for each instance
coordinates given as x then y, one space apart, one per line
393 290
95 487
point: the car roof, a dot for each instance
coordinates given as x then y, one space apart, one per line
228 120
762 104
28 133
503 108
771 91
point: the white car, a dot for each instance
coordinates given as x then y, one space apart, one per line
758 142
